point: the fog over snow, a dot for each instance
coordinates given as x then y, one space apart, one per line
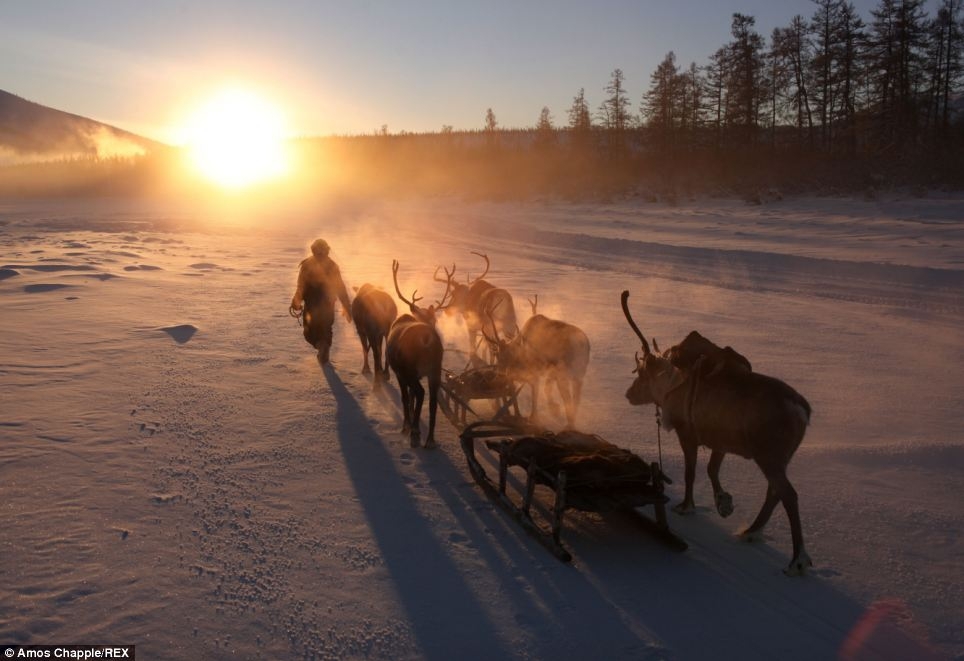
177 471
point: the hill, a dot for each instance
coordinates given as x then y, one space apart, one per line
33 132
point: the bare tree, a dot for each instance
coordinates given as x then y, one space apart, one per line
944 64
545 131
717 73
490 122
897 37
791 47
691 101
579 117
744 81
614 112
491 130
660 105
822 29
580 121
850 36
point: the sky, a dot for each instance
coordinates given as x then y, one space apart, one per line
350 67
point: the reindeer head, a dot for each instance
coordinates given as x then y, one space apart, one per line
507 353
655 374
425 315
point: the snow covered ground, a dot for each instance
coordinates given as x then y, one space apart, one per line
177 472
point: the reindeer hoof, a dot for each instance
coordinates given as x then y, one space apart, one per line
684 508
724 504
750 536
799 565
430 444
366 370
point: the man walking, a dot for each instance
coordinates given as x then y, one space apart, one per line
319 286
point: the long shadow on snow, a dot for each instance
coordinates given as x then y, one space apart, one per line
721 590
643 600
555 605
446 615
637 598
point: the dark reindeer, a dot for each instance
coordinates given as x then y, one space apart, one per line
483 306
546 347
415 351
730 410
373 311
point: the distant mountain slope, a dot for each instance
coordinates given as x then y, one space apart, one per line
30 131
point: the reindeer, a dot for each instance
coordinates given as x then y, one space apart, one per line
731 410
483 306
546 347
373 311
414 351
497 311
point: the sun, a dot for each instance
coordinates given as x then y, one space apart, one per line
237 138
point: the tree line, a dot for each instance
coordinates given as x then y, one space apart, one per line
831 83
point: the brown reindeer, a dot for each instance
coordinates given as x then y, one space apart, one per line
373 311
414 352
483 306
729 410
546 348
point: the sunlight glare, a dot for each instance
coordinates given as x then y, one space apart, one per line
237 138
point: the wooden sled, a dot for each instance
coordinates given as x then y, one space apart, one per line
583 471
486 382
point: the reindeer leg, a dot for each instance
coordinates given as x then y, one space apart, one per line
788 496
433 386
364 345
416 432
380 373
386 377
576 399
377 359
724 501
406 405
473 347
534 415
689 458
562 385
754 532
780 490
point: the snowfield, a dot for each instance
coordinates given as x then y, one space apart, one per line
177 472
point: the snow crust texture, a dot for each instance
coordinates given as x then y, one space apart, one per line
177 471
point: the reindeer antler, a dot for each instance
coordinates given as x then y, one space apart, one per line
449 289
632 324
534 304
495 329
486 258
411 303
447 279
